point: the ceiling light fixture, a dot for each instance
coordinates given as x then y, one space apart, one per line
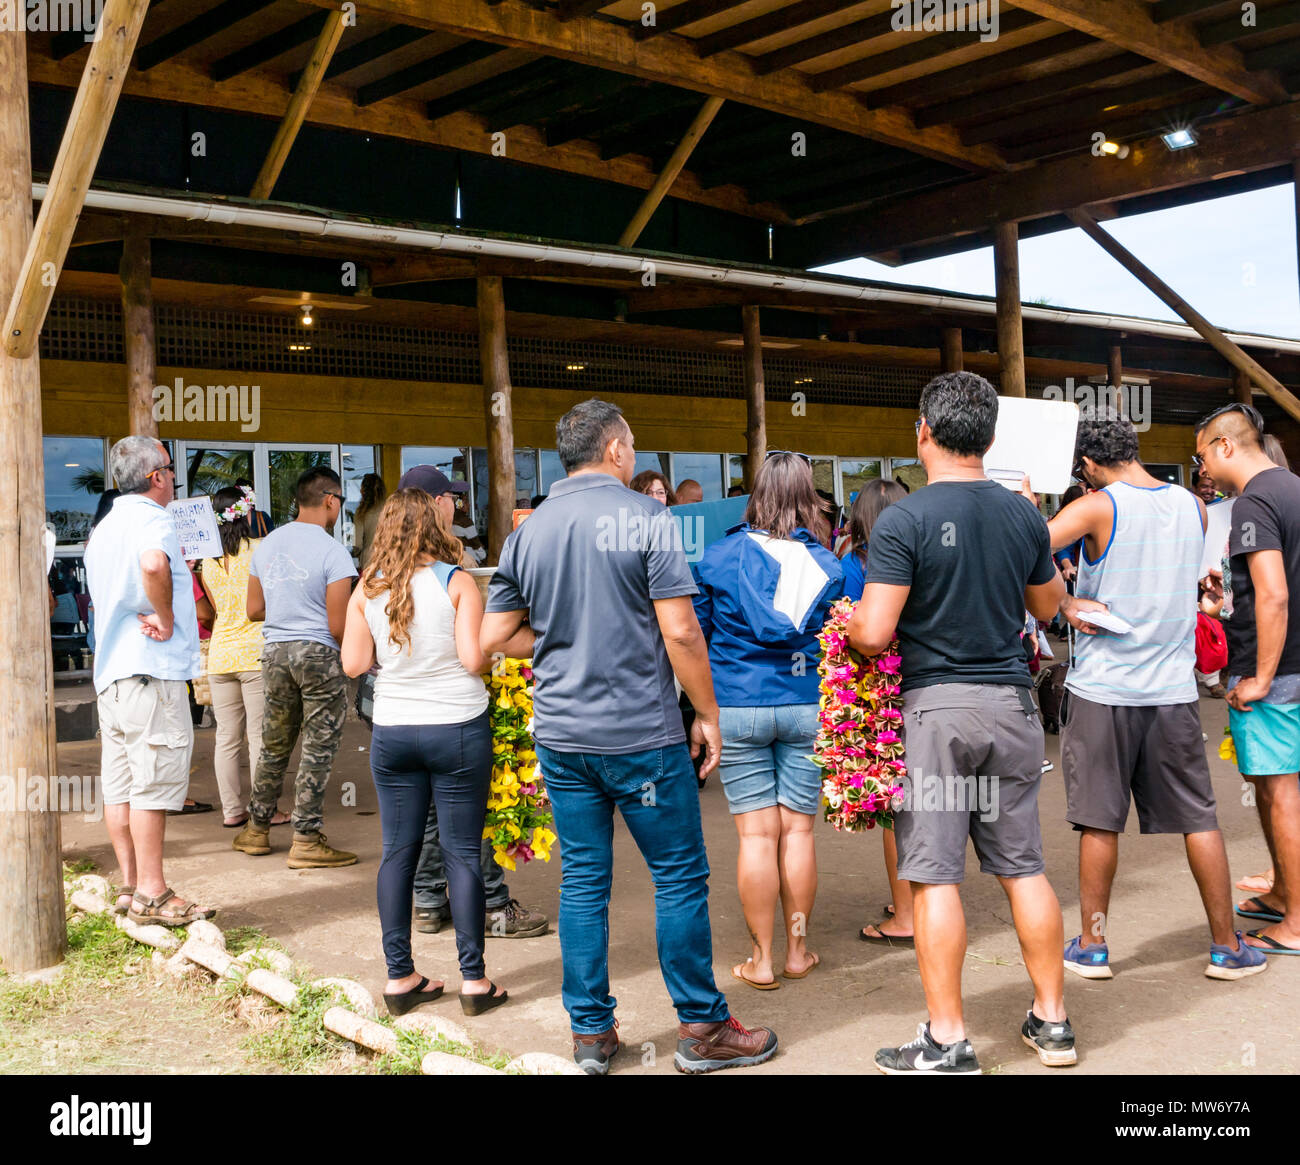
305 316
1179 139
1114 149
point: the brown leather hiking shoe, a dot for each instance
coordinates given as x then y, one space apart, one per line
253 839
707 1047
593 1053
515 921
309 852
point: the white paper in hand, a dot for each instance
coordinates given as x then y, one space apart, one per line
1106 620
1036 439
196 527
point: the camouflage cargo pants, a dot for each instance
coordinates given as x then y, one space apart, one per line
306 693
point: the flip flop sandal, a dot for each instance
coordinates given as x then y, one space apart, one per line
118 892
478 1004
400 1002
235 824
1257 910
1255 884
817 962
888 908
754 983
150 910
892 939
1272 946
186 810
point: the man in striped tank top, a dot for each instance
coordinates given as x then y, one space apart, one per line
1132 729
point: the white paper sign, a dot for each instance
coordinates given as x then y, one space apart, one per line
196 527
1218 525
1035 438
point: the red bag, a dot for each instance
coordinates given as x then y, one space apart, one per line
1211 644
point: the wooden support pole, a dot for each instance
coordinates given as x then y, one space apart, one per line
106 65
312 76
136 273
708 111
1295 184
32 930
1242 389
951 358
755 396
498 410
1115 376
1011 336
1208 332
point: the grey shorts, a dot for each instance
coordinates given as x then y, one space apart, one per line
974 760
1155 755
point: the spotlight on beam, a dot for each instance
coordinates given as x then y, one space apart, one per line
1114 149
1179 139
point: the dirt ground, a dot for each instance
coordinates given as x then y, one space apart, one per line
1159 1016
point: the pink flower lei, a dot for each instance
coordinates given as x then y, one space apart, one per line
859 746
240 509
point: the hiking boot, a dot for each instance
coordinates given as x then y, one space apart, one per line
926 1056
309 852
593 1053
253 839
429 920
1053 1040
707 1047
515 921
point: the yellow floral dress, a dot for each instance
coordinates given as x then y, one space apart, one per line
236 643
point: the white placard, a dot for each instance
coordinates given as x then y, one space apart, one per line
1218 525
1106 620
196 527
1035 438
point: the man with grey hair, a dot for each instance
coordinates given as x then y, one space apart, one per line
147 646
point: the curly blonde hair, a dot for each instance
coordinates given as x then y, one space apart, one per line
411 529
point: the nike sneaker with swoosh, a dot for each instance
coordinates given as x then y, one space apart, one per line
923 1056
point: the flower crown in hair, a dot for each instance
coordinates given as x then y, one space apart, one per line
240 509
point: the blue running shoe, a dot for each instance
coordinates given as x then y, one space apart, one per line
1091 962
1225 963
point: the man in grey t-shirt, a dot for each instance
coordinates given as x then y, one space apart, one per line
299 583
600 575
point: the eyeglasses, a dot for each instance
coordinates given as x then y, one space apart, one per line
334 495
919 422
788 453
1198 460
169 467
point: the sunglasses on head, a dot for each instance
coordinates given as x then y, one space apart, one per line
788 453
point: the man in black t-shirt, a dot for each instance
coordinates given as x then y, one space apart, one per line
951 569
1262 613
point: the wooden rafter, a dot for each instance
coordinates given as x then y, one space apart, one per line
326 42
267 48
83 138
672 60
769 24
461 57
683 14
194 31
1253 140
258 91
1128 23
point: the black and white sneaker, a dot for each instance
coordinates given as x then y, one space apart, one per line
923 1056
1053 1040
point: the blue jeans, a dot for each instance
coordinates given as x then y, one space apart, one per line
450 765
657 794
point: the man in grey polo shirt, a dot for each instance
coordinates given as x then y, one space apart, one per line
599 574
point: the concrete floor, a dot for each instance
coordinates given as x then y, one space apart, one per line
1159 1015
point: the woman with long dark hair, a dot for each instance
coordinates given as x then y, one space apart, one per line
765 591
234 651
366 517
419 616
872 498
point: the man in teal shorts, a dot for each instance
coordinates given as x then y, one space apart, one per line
1262 624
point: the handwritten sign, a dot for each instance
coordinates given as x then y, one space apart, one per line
196 527
1034 438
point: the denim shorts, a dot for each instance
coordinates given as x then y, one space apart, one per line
765 758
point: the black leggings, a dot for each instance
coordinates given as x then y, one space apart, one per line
452 765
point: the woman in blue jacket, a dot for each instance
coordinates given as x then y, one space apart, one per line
765 590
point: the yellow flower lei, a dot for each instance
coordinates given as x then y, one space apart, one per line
518 807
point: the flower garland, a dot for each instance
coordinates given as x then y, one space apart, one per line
858 746
517 803
240 509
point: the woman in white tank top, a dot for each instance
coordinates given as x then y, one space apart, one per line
418 617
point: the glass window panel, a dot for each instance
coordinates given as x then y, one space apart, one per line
525 477
358 460
286 467
481 491
824 474
552 469
448 458
855 472
656 461
735 470
74 479
69 619
909 471
706 468
210 469
1170 473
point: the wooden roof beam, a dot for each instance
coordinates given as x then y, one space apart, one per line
187 35
672 60
74 167
1226 31
760 27
354 56
680 15
461 57
1128 23
1252 140
299 33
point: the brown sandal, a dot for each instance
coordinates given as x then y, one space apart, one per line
118 892
146 910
